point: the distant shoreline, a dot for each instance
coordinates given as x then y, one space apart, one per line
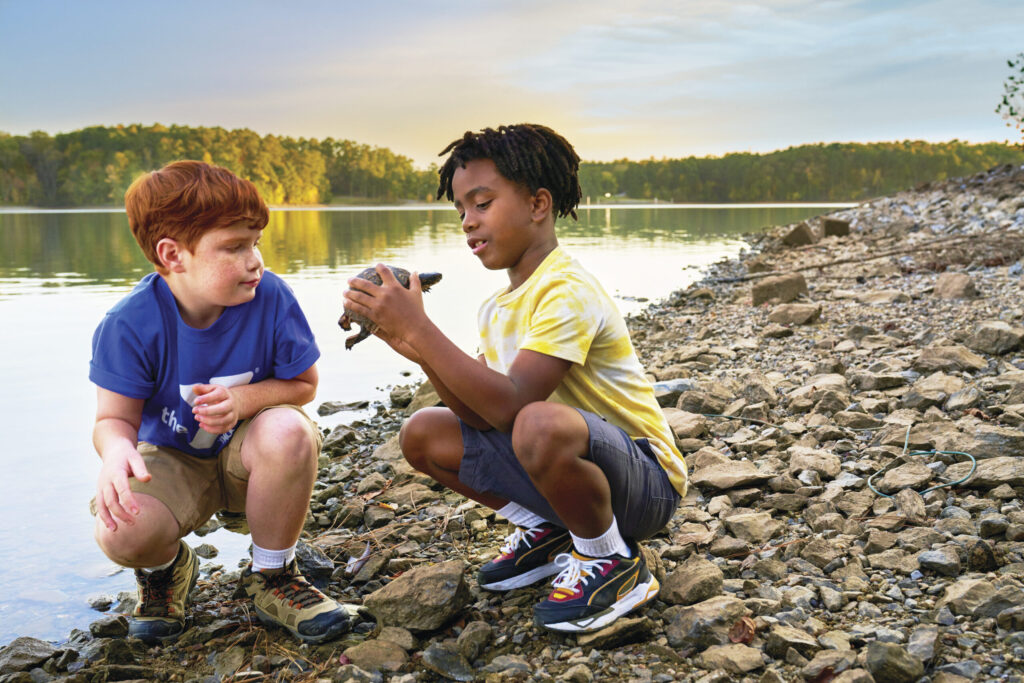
423 206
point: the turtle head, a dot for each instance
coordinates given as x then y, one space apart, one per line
428 280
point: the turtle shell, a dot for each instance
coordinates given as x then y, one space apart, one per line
366 326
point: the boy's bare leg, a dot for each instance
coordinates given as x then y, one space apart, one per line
152 540
431 440
279 453
551 441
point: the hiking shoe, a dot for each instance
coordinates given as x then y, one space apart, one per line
159 616
527 556
287 599
592 592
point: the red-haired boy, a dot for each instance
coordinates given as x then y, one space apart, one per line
200 372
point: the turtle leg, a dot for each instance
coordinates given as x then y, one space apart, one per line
364 332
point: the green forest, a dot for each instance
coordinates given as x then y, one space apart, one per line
94 166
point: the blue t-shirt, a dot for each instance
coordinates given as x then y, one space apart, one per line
143 349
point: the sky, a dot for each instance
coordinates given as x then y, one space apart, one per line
635 79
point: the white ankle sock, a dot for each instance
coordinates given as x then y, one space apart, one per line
270 559
520 516
165 565
608 543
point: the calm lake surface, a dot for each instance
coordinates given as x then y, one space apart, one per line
61 271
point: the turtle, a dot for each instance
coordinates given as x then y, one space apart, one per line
366 326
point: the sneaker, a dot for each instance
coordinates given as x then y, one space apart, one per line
287 599
527 556
159 616
590 593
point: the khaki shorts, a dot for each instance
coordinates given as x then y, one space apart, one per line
194 488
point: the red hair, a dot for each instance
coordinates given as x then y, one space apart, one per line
184 200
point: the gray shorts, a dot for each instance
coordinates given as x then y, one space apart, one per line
643 499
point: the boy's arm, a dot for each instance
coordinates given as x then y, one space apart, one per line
495 397
115 436
219 408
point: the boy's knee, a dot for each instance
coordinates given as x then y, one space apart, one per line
129 545
283 433
413 438
542 434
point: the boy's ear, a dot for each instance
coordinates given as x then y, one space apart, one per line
169 253
540 204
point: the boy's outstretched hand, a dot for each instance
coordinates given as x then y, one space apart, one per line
396 311
114 499
215 408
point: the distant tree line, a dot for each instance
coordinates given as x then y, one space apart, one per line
94 166
821 172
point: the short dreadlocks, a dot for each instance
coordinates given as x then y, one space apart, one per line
526 153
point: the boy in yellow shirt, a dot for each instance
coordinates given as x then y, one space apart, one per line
554 425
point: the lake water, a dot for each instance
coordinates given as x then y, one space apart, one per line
60 271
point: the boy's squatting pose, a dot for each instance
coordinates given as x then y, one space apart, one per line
554 425
200 371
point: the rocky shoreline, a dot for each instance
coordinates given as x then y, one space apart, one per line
849 363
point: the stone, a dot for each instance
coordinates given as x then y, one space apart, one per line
835 227
685 425
756 528
378 655
799 235
910 506
781 638
824 463
424 397
883 297
996 337
795 314
943 561
966 596
923 641
954 286
990 473
401 637
703 624
339 440
695 580
734 658
667 392
423 598
821 552
620 632
447 661
953 358
779 288
835 661
910 475
730 474
474 639
892 662
112 626
25 653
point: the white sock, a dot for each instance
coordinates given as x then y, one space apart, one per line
161 567
270 559
520 516
608 543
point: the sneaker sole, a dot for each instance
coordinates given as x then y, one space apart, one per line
170 639
640 595
525 579
334 632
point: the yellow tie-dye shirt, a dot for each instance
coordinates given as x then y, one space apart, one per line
562 311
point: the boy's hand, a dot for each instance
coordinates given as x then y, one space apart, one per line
394 309
215 408
114 498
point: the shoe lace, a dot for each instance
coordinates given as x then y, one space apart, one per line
518 536
293 589
576 570
156 592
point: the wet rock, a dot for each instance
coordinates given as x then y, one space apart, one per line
422 599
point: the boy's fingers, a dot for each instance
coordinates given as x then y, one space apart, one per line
414 282
104 515
386 276
138 467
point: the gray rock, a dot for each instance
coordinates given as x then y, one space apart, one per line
25 653
704 624
447 661
474 639
891 662
996 337
943 561
696 580
781 638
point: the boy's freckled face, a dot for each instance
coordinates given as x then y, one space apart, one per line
226 265
495 214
